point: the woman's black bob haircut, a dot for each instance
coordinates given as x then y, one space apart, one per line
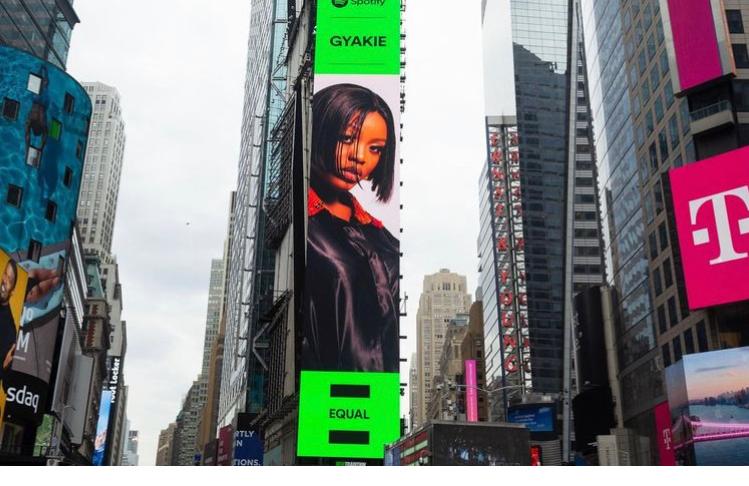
333 109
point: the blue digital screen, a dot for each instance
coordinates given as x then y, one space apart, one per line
539 418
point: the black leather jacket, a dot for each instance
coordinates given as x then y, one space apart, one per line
351 295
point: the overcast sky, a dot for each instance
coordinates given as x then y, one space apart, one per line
180 67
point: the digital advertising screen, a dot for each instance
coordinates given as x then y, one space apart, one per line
480 445
708 398
43 135
350 306
472 400
537 418
697 40
13 281
711 209
102 429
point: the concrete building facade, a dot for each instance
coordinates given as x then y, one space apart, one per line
444 296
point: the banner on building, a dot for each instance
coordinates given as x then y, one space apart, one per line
351 297
708 397
711 208
13 282
44 134
102 429
472 401
697 42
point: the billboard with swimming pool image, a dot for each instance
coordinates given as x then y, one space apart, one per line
708 395
44 120
13 280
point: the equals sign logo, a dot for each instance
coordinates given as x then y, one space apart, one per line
349 437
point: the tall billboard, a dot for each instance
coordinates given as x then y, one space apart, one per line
708 398
711 208
102 429
43 134
350 381
13 281
697 41
472 400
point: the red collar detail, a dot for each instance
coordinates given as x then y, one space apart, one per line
315 206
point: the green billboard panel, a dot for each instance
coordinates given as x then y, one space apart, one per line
358 37
348 415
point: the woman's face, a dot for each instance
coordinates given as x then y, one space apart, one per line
358 157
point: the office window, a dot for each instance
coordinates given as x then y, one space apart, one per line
663 144
666 355
34 84
14 196
735 24
740 55
663 234
673 314
80 151
657 283
667 276
662 324
677 348
653 157
653 246
10 109
688 341
701 337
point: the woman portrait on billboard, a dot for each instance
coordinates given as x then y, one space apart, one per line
352 277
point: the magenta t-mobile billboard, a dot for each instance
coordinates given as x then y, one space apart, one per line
711 207
472 401
697 40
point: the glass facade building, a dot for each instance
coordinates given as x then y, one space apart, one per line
641 131
561 228
251 267
39 27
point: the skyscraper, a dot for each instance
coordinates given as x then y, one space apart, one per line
443 297
647 124
544 219
97 206
251 269
165 446
213 314
42 28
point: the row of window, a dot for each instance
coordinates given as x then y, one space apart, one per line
689 344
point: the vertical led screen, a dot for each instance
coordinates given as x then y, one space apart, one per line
350 390
697 40
13 280
711 208
472 402
102 429
43 135
708 397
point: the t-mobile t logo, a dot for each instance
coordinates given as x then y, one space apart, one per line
701 236
711 211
